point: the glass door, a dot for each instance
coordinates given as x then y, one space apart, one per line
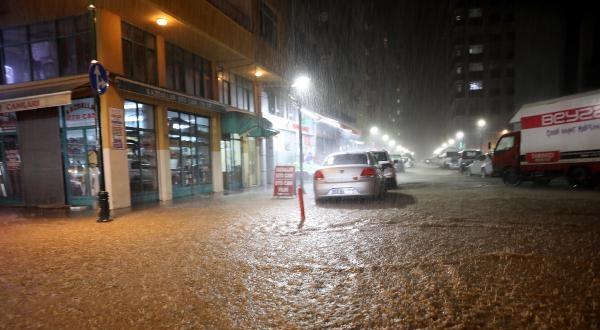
231 158
81 162
10 170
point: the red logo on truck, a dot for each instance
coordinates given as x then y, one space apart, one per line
543 157
561 117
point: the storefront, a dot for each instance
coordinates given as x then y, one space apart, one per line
240 149
189 154
44 140
80 152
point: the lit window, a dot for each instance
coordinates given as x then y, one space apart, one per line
476 85
475 49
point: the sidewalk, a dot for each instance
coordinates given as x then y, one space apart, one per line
11 214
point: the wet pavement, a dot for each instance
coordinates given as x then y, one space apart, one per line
443 251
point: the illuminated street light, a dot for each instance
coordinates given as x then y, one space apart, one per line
301 84
451 142
374 130
385 137
460 135
481 124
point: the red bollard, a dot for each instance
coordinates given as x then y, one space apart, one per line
301 201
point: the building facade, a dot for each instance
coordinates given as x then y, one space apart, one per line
180 116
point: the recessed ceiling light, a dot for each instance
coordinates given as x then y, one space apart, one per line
162 21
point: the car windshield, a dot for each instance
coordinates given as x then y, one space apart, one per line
345 159
470 154
380 156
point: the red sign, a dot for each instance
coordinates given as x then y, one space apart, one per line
567 116
284 181
543 157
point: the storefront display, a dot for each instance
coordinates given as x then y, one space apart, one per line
78 126
189 149
141 154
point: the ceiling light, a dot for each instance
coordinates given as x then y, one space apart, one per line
162 21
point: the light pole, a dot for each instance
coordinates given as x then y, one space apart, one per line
300 84
481 125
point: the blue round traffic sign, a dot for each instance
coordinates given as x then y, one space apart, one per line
98 77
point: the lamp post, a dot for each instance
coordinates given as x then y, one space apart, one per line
481 125
300 84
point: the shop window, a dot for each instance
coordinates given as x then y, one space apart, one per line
45 50
141 152
139 54
189 149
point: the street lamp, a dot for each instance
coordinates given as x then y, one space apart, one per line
481 124
300 84
459 136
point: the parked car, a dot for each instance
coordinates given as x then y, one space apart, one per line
482 165
466 157
398 163
349 174
408 160
387 165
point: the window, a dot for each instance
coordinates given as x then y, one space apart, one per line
189 149
139 54
141 152
505 143
458 88
236 91
475 85
476 67
459 69
475 49
45 50
475 12
268 24
187 72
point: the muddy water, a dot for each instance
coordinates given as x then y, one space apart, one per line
444 251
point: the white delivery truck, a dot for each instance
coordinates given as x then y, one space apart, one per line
558 137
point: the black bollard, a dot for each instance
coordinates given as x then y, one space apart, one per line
104 215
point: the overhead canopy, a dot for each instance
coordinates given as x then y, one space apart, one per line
246 123
42 94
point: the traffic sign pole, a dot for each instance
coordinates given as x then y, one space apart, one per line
99 84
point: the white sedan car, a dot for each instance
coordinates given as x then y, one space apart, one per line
482 166
349 174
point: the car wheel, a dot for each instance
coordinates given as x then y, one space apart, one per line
511 177
580 177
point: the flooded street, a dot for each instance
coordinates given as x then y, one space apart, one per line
443 251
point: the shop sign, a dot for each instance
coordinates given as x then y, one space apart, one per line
284 181
117 128
36 102
166 95
80 113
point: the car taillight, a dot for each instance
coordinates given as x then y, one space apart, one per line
318 175
368 171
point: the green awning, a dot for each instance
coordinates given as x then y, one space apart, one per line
242 123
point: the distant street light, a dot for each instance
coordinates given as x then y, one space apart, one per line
481 123
374 130
459 136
